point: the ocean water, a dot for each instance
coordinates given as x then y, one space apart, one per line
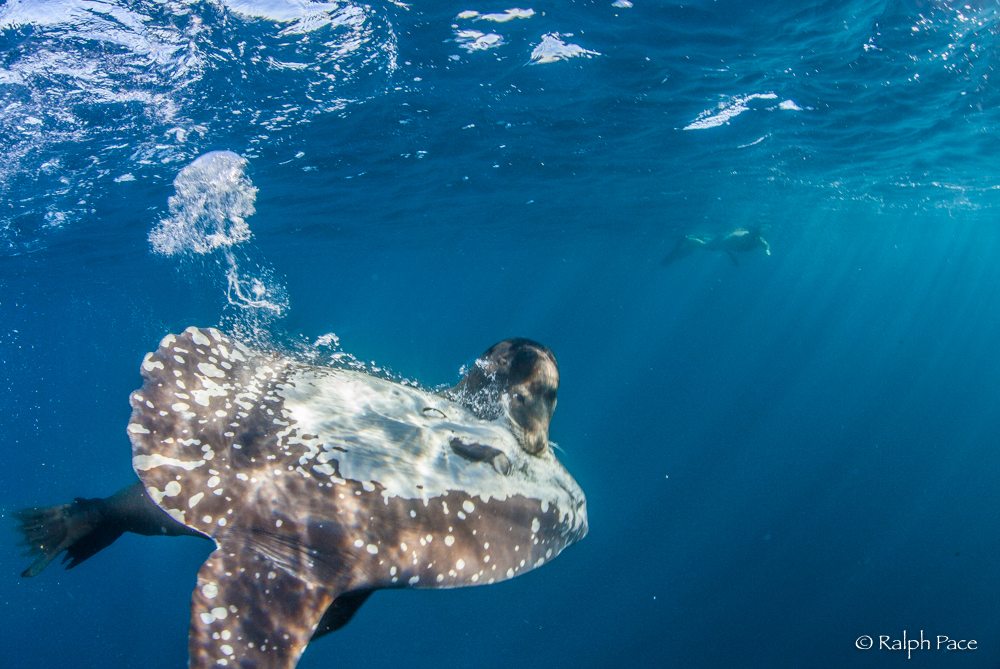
781 456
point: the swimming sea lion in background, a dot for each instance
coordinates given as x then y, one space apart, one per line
320 485
740 240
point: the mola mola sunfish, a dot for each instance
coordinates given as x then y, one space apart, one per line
319 485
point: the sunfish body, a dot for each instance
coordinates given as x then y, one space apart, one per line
320 485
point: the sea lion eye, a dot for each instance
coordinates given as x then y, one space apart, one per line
519 397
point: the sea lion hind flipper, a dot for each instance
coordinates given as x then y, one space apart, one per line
85 527
77 528
247 611
684 247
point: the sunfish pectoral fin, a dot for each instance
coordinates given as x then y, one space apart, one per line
341 611
247 611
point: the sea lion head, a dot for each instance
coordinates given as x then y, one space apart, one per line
517 379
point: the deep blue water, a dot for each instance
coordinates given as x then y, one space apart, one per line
779 457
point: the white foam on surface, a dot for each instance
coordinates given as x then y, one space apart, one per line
303 16
498 17
552 48
509 15
473 40
725 111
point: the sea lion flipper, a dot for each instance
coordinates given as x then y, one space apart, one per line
247 611
81 528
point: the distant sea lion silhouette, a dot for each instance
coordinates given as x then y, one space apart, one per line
320 485
740 240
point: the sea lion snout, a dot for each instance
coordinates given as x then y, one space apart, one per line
530 405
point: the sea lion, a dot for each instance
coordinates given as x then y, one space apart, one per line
517 379
320 485
740 240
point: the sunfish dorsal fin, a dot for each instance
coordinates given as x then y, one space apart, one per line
247 611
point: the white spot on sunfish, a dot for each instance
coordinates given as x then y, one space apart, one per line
213 481
535 526
193 502
172 489
135 428
146 462
208 369
210 590
219 613
149 364
414 580
358 543
510 572
197 337
372 548
468 506
226 649
179 406
449 540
